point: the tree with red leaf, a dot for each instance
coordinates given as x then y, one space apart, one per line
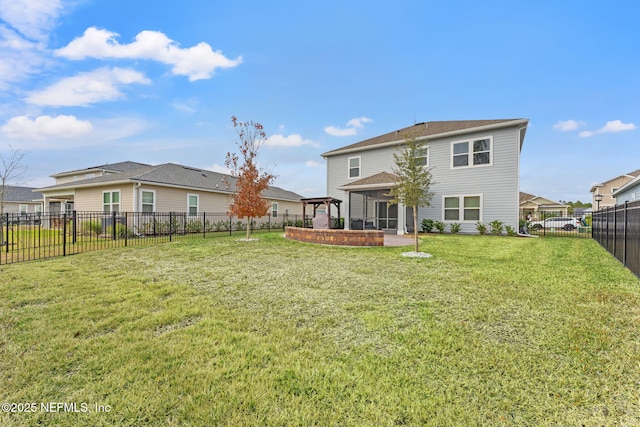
250 181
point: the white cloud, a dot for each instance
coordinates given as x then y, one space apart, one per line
352 127
611 127
87 88
34 19
23 127
568 125
293 140
313 164
219 168
197 62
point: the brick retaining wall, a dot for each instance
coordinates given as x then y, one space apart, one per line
336 237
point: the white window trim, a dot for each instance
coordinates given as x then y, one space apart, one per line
461 208
115 190
349 167
276 210
197 196
470 153
26 208
426 148
142 190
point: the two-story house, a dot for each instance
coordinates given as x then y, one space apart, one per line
474 165
602 193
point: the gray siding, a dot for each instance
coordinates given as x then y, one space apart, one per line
631 194
497 184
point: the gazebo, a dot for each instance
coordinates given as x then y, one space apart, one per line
318 201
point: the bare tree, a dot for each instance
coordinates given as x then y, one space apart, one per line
11 168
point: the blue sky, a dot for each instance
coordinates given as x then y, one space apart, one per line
88 82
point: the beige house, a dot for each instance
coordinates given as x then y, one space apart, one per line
538 207
602 194
20 200
137 187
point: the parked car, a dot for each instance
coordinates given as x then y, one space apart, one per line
566 223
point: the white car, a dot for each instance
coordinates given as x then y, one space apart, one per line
565 223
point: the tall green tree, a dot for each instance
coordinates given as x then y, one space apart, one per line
250 181
414 179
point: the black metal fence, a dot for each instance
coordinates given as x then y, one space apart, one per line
25 237
617 229
557 225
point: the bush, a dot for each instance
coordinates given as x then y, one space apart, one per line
510 231
93 227
440 226
454 227
496 227
427 225
482 228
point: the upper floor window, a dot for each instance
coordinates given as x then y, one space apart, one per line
354 167
477 152
111 201
423 156
193 200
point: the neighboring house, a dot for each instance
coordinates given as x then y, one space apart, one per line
22 200
474 165
538 207
137 187
605 190
629 192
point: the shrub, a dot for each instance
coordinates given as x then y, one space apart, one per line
510 230
482 228
93 227
221 226
454 227
496 227
427 225
440 226
194 226
121 231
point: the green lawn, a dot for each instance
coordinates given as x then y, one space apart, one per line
490 331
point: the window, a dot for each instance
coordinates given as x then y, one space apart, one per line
423 156
24 209
354 167
192 200
462 208
148 201
274 210
89 175
38 210
471 153
111 201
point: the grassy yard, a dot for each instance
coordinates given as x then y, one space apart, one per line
490 331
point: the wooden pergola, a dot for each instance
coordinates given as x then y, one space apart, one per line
318 201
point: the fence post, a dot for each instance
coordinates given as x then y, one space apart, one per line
64 234
230 225
126 227
74 219
624 236
6 234
204 225
170 225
